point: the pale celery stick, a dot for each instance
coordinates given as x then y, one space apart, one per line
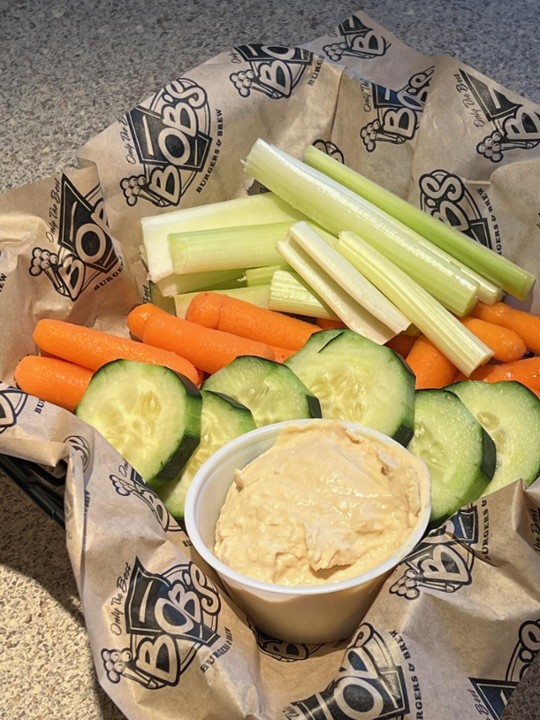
444 330
348 276
263 275
355 316
249 210
176 284
259 295
290 294
335 208
226 248
510 277
488 292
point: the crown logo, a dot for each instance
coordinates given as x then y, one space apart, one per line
167 619
170 140
515 127
85 247
443 560
273 70
369 684
494 146
398 112
358 40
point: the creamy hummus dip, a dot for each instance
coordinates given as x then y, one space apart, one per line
323 504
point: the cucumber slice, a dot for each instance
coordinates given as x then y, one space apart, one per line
510 413
358 380
458 451
318 340
269 389
222 419
149 413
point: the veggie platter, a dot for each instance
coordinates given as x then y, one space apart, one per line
314 286
461 389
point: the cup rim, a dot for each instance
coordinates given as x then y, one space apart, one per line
202 476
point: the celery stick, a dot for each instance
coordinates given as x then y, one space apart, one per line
501 271
176 284
157 298
226 248
336 208
347 276
258 295
428 315
290 294
249 210
355 316
487 291
263 275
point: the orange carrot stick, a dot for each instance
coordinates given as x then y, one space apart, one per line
506 344
330 324
93 348
282 353
525 371
525 324
229 314
53 380
431 367
402 344
206 348
138 316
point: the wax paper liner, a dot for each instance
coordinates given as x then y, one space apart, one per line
457 624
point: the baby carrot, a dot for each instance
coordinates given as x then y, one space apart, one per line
402 343
525 324
206 348
53 380
138 316
229 314
282 353
526 371
431 367
330 324
93 348
506 344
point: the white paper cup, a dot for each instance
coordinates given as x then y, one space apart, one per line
304 614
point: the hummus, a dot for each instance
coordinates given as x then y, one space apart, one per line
323 504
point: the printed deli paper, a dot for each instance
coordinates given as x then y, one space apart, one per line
164 634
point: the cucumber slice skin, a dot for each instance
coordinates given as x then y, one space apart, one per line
459 453
510 414
222 419
270 390
159 414
317 341
358 380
